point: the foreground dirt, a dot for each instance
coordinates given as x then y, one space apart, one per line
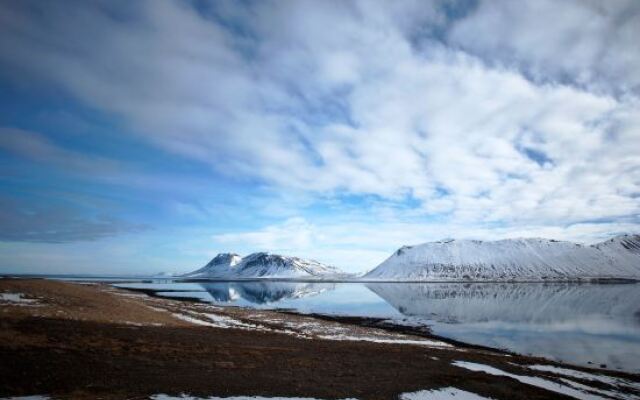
92 341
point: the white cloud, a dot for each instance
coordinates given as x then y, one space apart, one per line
500 123
37 147
294 233
590 43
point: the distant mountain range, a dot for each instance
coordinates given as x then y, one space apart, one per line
512 260
455 260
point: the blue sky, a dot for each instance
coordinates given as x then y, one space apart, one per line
138 137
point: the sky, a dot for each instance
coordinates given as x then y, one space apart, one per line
147 136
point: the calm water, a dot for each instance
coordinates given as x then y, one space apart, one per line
569 322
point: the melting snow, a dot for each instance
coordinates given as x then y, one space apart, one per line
303 329
441 394
218 321
227 322
535 381
16 298
609 380
426 342
195 320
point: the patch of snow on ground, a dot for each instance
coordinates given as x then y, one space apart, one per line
442 394
609 380
531 380
606 393
227 322
16 298
425 342
195 320
301 329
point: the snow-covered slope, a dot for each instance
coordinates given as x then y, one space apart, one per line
219 265
512 259
264 265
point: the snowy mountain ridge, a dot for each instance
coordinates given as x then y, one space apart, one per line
264 265
512 260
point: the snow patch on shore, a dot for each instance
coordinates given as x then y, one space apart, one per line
224 321
16 298
442 394
575 389
609 380
216 321
425 342
304 329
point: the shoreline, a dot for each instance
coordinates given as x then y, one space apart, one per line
365 322
188 279
83 340
385 323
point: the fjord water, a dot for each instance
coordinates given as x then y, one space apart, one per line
574 323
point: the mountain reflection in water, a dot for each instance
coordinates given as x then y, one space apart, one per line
532 303
263 292
577 323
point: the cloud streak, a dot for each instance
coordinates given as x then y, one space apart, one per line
56 223
38 148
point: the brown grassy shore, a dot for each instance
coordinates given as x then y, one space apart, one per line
80 341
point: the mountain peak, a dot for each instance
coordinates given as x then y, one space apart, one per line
627 241
626 236
264 265
225 259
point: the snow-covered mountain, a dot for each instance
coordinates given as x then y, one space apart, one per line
218 266
264 265
512 260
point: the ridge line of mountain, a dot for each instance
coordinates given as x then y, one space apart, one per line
519 259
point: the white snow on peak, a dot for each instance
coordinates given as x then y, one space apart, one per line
264 265
512 259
